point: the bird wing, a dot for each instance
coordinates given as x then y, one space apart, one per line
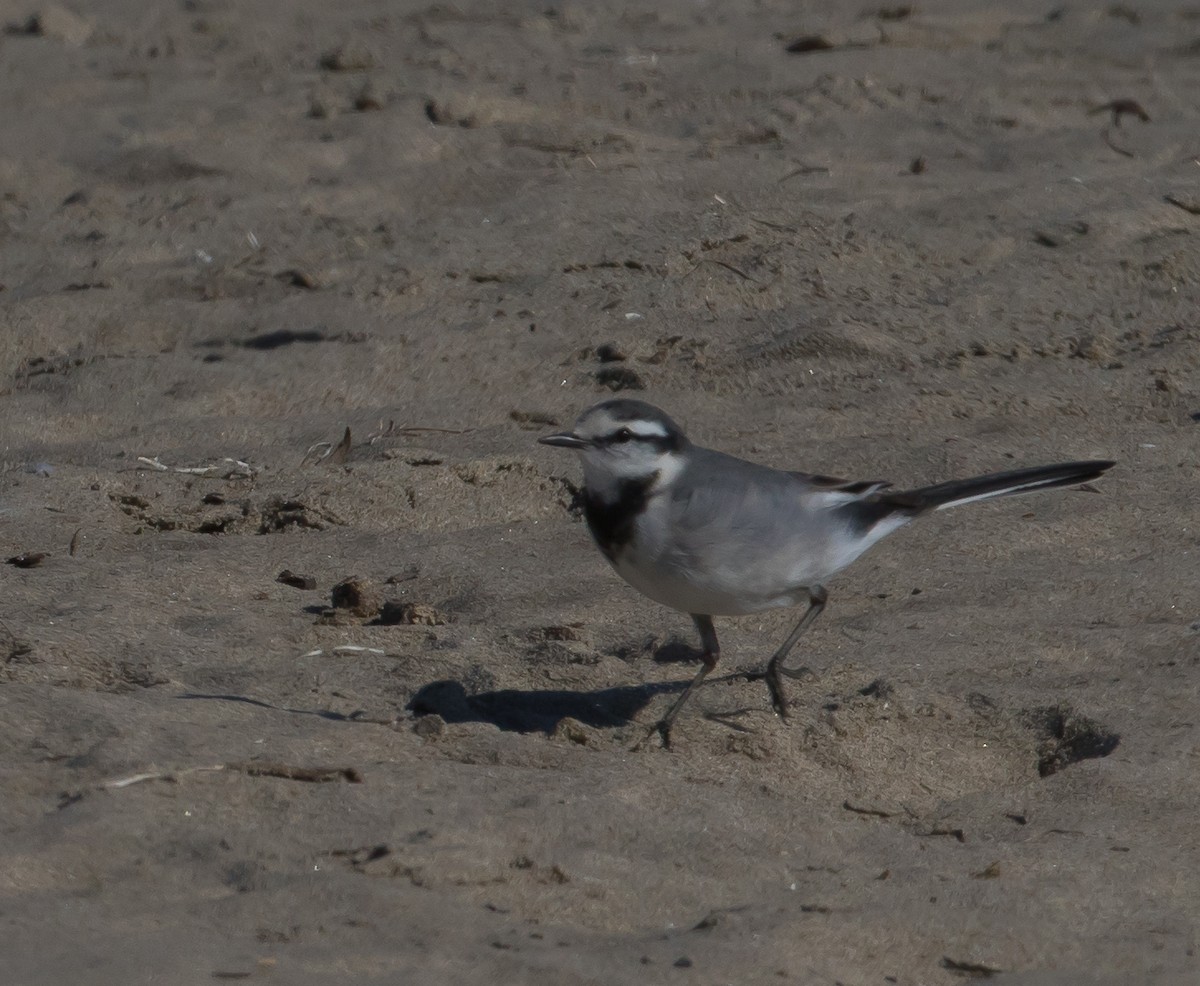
750 532
834 491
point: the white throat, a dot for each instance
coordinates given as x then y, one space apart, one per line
607 479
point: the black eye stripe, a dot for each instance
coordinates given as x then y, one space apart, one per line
626 435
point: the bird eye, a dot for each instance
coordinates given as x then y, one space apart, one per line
624 435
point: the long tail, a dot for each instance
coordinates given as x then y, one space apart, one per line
880 511
997 484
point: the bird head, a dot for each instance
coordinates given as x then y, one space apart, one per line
622 441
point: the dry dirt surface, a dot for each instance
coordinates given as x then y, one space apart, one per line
294 287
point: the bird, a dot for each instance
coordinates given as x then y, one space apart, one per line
714 535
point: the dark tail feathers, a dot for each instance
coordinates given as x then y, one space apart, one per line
997 484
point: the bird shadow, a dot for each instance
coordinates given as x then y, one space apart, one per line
514 710
508 709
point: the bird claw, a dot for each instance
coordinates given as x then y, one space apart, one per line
775 686
772 675
662 728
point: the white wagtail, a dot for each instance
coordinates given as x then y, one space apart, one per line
712 535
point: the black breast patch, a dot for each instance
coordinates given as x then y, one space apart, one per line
612 521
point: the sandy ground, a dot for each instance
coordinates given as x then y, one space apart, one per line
915 248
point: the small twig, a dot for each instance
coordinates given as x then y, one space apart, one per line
341 451
419 429
1191 207
314 775
876 812
16 647
345 649
311 775
958 834
27 559
225 469
737 270
391 428
1119 107
770 225
328 451
804 169
971 970
1108 140
156 775
384 432
257 254
720 263
311 456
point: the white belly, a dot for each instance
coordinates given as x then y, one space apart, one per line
696 594
725 577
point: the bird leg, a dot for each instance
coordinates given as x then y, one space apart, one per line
712 651
775 669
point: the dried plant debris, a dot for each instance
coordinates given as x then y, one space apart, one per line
37 366
309 775
279 338
288 577
284 337
411 614
867 810
58 24
569 632
350 57
610 352
970 970
299 278
341 451
617 378
1062 234
533 420
217 515
1119 108
13 650
989 872
225 469
861 35
360 596
251 768
331 452
429 726
368 99
283 513
1122 107
1067 737
1188 203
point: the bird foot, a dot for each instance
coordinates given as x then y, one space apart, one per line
775 687
662 729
